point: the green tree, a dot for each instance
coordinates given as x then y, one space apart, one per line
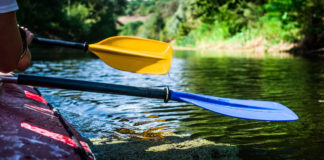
77 20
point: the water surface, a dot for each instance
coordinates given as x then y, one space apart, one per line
295 82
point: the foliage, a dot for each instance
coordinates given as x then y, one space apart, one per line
306 15
194 22
71 19
131 28
142 7
155 27
189 22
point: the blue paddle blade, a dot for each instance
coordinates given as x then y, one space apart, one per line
246 109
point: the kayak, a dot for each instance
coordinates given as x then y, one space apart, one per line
31 128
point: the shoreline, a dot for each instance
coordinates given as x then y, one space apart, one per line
254 48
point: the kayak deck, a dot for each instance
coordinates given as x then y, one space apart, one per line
31 129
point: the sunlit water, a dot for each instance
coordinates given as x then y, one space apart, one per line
295 82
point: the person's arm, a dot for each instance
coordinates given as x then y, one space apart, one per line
11 47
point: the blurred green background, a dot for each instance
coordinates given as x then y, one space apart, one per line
185 23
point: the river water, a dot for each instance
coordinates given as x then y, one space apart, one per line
295 82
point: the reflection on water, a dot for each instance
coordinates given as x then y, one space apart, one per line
294 82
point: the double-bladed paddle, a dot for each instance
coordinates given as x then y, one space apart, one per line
246 109
126 53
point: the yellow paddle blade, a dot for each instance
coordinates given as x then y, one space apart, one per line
134 54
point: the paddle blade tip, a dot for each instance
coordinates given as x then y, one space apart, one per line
285 114
245 109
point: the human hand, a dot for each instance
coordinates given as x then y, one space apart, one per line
25 61
29 35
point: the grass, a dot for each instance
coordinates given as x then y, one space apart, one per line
265 35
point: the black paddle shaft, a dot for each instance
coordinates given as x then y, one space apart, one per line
93 86
60 43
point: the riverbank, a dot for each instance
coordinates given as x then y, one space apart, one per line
258 47
257 27
252 43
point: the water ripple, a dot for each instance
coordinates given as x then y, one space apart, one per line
296 83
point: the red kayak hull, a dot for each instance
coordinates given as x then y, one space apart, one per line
31 129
